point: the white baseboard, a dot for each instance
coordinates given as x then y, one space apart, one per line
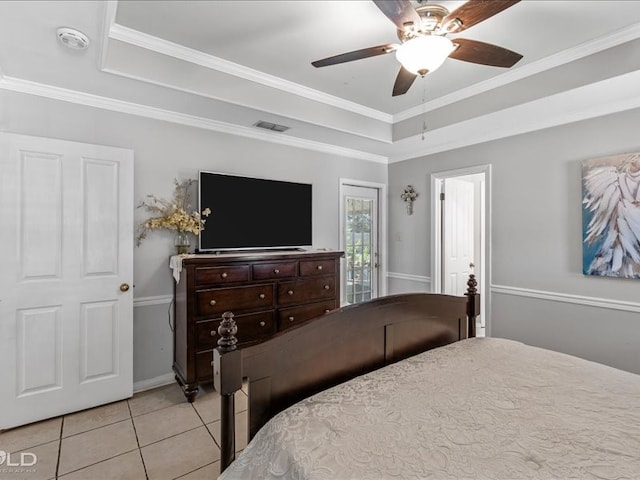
161 381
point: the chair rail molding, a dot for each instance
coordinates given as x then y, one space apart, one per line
153 300
409 276
608 303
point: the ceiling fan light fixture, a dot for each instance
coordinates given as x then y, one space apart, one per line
424 54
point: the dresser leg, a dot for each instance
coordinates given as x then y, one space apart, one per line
190 390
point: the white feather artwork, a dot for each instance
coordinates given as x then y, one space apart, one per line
611 216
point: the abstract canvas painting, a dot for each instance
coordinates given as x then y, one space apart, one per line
611 216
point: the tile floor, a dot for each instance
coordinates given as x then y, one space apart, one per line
154 435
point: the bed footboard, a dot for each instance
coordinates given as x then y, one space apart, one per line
324 352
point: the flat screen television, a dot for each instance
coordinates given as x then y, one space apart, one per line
254 213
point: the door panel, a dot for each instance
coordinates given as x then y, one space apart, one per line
40 223
458 230
100 217
39 336
99 346
66 329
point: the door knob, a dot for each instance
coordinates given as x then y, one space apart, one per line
124 287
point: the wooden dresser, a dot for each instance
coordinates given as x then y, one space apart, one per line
267 293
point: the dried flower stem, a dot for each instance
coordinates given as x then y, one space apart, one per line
172 214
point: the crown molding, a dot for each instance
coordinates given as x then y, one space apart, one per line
568 298
566 56
150 42
608 96
110 9
244 105
165 47
121 106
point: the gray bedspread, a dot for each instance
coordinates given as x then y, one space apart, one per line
481 408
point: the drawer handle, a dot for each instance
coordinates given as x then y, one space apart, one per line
212 302
290 292
327 287
276 271
291 319
224 275
261 295
319 267
213 333
262 324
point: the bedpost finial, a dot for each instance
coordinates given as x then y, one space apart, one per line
472 283
227 331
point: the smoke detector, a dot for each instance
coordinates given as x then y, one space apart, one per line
73 38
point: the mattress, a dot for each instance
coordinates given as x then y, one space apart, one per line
482 408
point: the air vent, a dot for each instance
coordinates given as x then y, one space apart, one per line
271 126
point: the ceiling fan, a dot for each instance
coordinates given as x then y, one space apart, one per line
424 45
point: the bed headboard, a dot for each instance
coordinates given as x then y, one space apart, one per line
326 351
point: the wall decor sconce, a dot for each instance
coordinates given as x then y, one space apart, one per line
409 196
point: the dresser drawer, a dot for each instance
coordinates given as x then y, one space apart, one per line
287 317
317 267
270 271
234 299
306 291
204 369
251 327
221 275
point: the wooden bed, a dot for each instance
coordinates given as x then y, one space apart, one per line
341 345
399 387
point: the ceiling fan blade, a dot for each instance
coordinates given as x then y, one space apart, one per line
399 12
476 11
355 55
404 80
483 53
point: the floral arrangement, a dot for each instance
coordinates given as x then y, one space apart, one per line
172 214
409 194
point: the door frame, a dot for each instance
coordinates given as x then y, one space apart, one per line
382 232
484 276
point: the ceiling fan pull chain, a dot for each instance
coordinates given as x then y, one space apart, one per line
424 107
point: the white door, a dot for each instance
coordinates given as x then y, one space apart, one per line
360 243
66 315
458 210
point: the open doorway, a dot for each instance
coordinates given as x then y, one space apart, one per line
460 234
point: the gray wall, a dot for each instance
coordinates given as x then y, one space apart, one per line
164 151
536 238
535 208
